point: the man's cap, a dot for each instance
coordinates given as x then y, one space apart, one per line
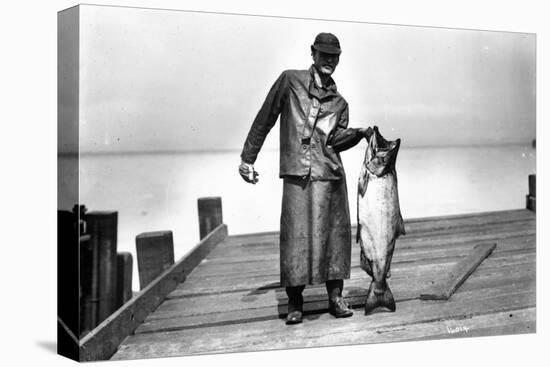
327 43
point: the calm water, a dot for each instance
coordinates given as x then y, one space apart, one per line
159 191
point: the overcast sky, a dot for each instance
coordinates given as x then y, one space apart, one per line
155 80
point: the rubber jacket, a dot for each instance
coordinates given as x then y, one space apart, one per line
313 126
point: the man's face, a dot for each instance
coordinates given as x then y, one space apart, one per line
325 63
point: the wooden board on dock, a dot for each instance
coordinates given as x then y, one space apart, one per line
232 300
459 273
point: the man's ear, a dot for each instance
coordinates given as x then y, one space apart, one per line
313 51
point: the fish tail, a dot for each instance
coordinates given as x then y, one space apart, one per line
387 300
379 299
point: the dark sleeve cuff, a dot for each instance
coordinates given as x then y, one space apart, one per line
246 159
345 139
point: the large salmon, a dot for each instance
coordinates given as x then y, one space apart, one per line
379 220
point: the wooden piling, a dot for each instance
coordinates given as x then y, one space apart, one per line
67 277
533 185
102 227
88 285
124 278
103 341
210 214
155 254
531 201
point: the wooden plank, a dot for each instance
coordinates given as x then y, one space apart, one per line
270 263
203 286
459 273
445 223
155 254
403 249
480 216
219 284
312 305
102 342
232 272
241 254
500 323
406 287
317 330
427 224
253 306
194 320
427 229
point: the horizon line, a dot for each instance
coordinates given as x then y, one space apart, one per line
238 150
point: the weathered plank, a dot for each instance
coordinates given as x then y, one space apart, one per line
235 274
203 286
249 264
103 341
485 217
426 225
312 305
253 306
317 330
459 273
229 301
271 252
217 285
521 321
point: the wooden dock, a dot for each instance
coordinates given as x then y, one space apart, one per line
231 301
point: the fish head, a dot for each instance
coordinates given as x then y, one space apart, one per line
381 154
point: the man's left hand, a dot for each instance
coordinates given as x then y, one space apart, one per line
366 132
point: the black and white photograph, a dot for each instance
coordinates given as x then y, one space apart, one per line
236 181
250 183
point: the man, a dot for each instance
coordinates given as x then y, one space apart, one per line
315 239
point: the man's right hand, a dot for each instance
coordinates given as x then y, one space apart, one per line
246 170
366 132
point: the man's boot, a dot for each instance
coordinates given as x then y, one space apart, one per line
295 304
337 306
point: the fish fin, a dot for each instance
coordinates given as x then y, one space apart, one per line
363 181
365 263
401 226
374 300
